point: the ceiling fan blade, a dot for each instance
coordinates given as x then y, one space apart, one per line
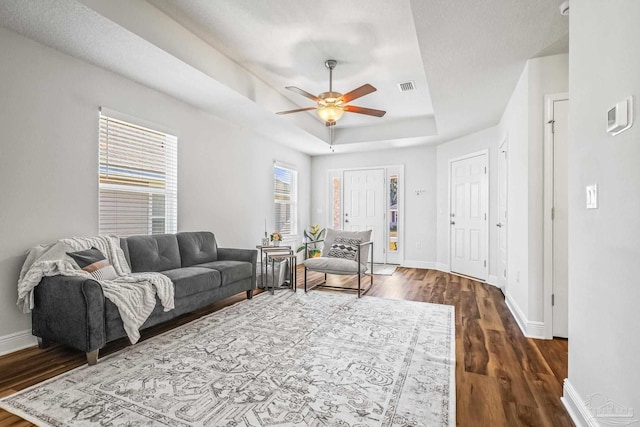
363 90
296 111
362 110
303 93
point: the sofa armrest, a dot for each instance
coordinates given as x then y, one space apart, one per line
232 254
70 310
247 255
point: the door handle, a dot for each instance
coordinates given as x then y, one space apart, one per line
346 220
452 223
499 225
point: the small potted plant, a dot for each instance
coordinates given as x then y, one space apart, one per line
276 238
313 236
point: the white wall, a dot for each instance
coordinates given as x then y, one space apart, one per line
522 124
49 152
420 210
604 247
479 141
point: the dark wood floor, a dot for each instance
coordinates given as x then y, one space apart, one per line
502 378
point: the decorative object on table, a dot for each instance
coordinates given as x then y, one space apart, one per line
313 238
379 361
276 238
265 239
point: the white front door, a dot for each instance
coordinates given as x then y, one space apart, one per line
502 214
468 216
364 206
560 223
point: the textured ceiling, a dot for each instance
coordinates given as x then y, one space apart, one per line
233 58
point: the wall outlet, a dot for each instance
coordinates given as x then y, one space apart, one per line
418 245
517 277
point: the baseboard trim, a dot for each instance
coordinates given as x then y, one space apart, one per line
16 341
442 267
492 280
575 406
419 264
529 328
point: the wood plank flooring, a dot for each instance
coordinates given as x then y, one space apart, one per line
502 378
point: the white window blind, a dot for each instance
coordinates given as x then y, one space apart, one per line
138 179
285 194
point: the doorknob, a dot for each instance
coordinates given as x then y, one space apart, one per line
452 223
499 225
346 220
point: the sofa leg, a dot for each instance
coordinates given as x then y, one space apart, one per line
250 294
43 342
92 357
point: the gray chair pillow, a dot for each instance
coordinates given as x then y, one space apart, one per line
331 235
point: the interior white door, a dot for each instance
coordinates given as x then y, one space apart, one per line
468 216
364 206
503 167
560 219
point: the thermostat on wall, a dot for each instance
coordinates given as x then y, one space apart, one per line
620 116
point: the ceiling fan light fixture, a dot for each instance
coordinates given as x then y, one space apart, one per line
330 112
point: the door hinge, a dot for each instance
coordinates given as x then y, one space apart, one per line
553 299
553 213
485 216
553 125
485 170
504 273
485 262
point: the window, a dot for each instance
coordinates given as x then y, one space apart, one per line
138 179
285 197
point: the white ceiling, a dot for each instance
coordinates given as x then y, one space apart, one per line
233 58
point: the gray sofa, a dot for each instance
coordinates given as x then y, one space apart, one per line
73 311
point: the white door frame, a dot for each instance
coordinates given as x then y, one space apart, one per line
388 170
547 207
503 147
486 221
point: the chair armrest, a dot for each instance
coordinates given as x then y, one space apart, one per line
70 310
360 245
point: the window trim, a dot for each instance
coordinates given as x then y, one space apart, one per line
293 202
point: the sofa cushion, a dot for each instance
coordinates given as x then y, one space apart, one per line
191 280
231 271
153 253
197 247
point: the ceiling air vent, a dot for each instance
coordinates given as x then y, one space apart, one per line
407 86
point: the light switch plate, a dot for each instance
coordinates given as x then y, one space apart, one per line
592 196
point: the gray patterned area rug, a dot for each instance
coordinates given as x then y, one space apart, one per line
290 359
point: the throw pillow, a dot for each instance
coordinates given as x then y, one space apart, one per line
93 262
343 247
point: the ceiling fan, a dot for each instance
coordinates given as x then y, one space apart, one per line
332 105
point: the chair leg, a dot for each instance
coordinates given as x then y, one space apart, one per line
359 292
305 279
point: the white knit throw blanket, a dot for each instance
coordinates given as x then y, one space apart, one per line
134 294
